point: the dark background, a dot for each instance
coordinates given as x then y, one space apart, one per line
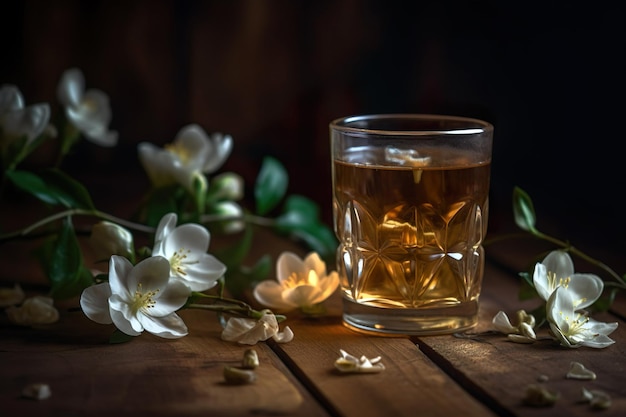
273 74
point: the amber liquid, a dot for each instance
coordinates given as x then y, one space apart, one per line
410 236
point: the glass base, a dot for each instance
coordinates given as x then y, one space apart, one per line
405 321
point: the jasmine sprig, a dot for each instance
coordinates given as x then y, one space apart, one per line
525 218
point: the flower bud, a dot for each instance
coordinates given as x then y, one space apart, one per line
226 186
111 239
250 359
232 210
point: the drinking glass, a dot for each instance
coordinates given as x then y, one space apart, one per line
410 209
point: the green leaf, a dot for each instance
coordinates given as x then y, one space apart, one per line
53 187
271 185
300 220
34 185
298 211
523 210
68 276
68 191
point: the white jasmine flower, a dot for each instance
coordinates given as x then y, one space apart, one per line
557 270
88 111
247 331
11 296
34 310
185 247
349 363
187 159
575 328
301 283
138 298
108 239
16 120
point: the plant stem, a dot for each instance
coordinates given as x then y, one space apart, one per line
248 218
229 305
565 245
582 255
74 212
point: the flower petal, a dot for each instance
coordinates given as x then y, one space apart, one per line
119 268
151 274
283 337
94 303
327 286
502 323
10 98
30 121
204 273
158 164
559 262
190 236
314 261
270 294
585 289
71 87
220 149
123 320
302 295
540 281
168 327
170 299
287 264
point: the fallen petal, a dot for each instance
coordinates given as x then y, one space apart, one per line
350 363
578 371
37 391
597 399
518 338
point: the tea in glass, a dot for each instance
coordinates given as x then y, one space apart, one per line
410 209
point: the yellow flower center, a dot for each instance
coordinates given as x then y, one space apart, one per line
553 282
576 324
178 263
143 301
296 280
181 152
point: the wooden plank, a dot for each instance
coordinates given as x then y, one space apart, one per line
499 371
147 376
411 385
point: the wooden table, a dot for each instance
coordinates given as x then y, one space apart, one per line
474 375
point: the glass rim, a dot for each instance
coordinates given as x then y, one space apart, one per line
473 126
